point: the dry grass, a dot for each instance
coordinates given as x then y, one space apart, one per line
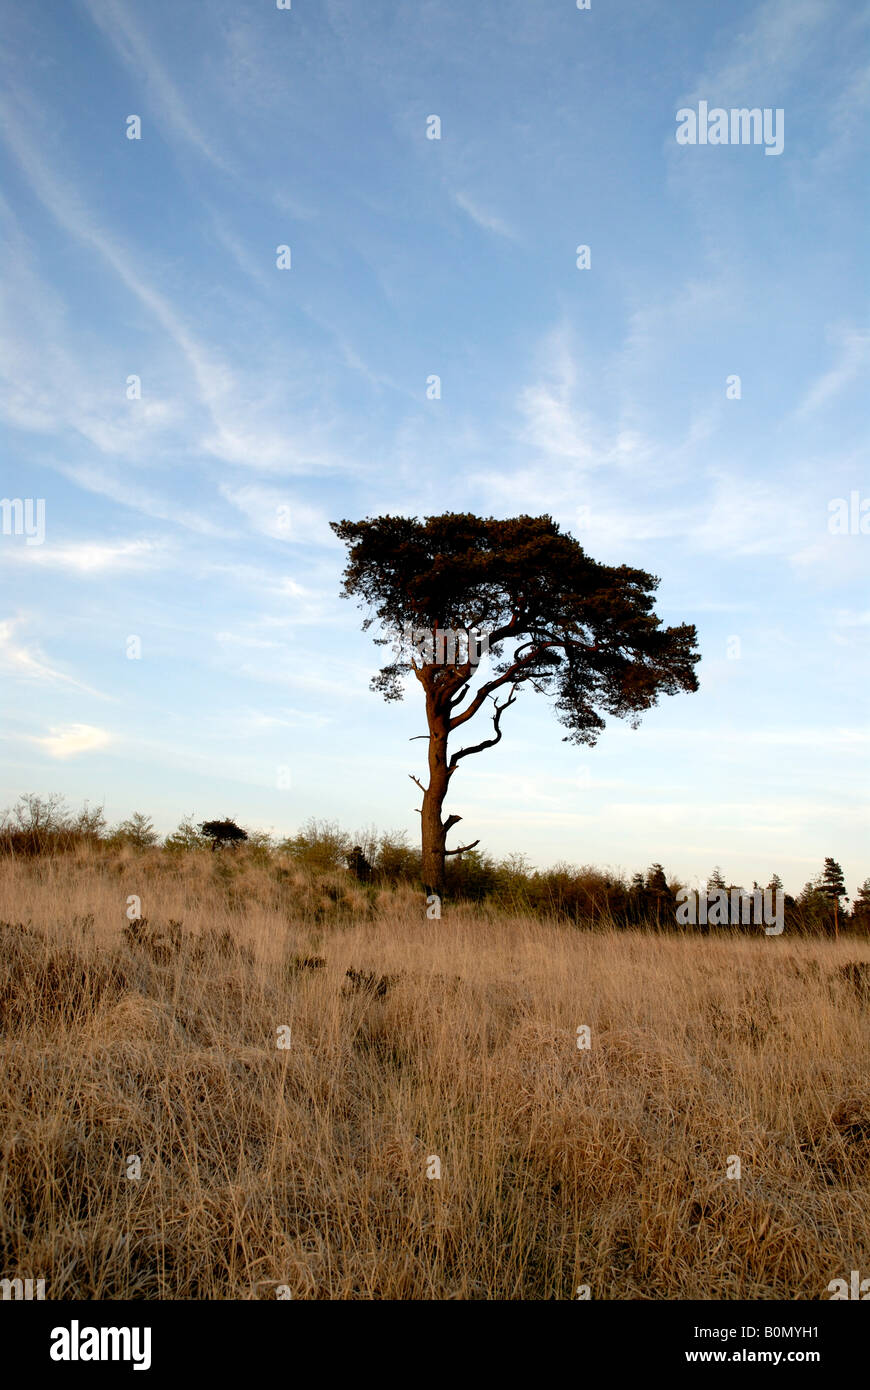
307 1167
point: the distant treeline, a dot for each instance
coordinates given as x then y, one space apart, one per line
45 826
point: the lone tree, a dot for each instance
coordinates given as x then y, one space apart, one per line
833 885
223 832
554 619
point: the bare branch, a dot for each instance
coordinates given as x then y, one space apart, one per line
463 849
419 783
487 742
486 690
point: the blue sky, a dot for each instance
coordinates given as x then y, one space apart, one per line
275 400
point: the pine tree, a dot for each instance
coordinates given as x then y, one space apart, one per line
637 898
656 880
554 620
657 886
833 885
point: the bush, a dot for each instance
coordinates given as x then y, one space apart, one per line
394 860
138 831
44 825
185 837
320 845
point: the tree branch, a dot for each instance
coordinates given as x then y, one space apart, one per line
487 742
463 849
486 690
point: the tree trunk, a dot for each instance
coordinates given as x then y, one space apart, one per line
434 829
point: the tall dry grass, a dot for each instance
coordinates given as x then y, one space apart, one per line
307 1167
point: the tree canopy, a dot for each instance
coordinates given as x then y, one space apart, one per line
581 631
553 619
223 832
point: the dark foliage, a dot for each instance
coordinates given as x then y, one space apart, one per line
223 832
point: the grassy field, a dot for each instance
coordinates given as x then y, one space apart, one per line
305 1168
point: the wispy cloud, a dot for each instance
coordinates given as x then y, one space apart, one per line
853 358
487 220
69 740
839 738
558 429
848 117
280 516
40 346
245 420
268 451
740 516
30 663
247 263
85 557
255 723
64 202
117 22
121 489
766 53
847 617
241 639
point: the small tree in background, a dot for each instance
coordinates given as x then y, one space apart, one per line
40 815
138 831
656 879
395 860
833 886
223 832
814 907
861 906
185 836
320 845
260 846
359 865
40 824
636 898
88 823
657 889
